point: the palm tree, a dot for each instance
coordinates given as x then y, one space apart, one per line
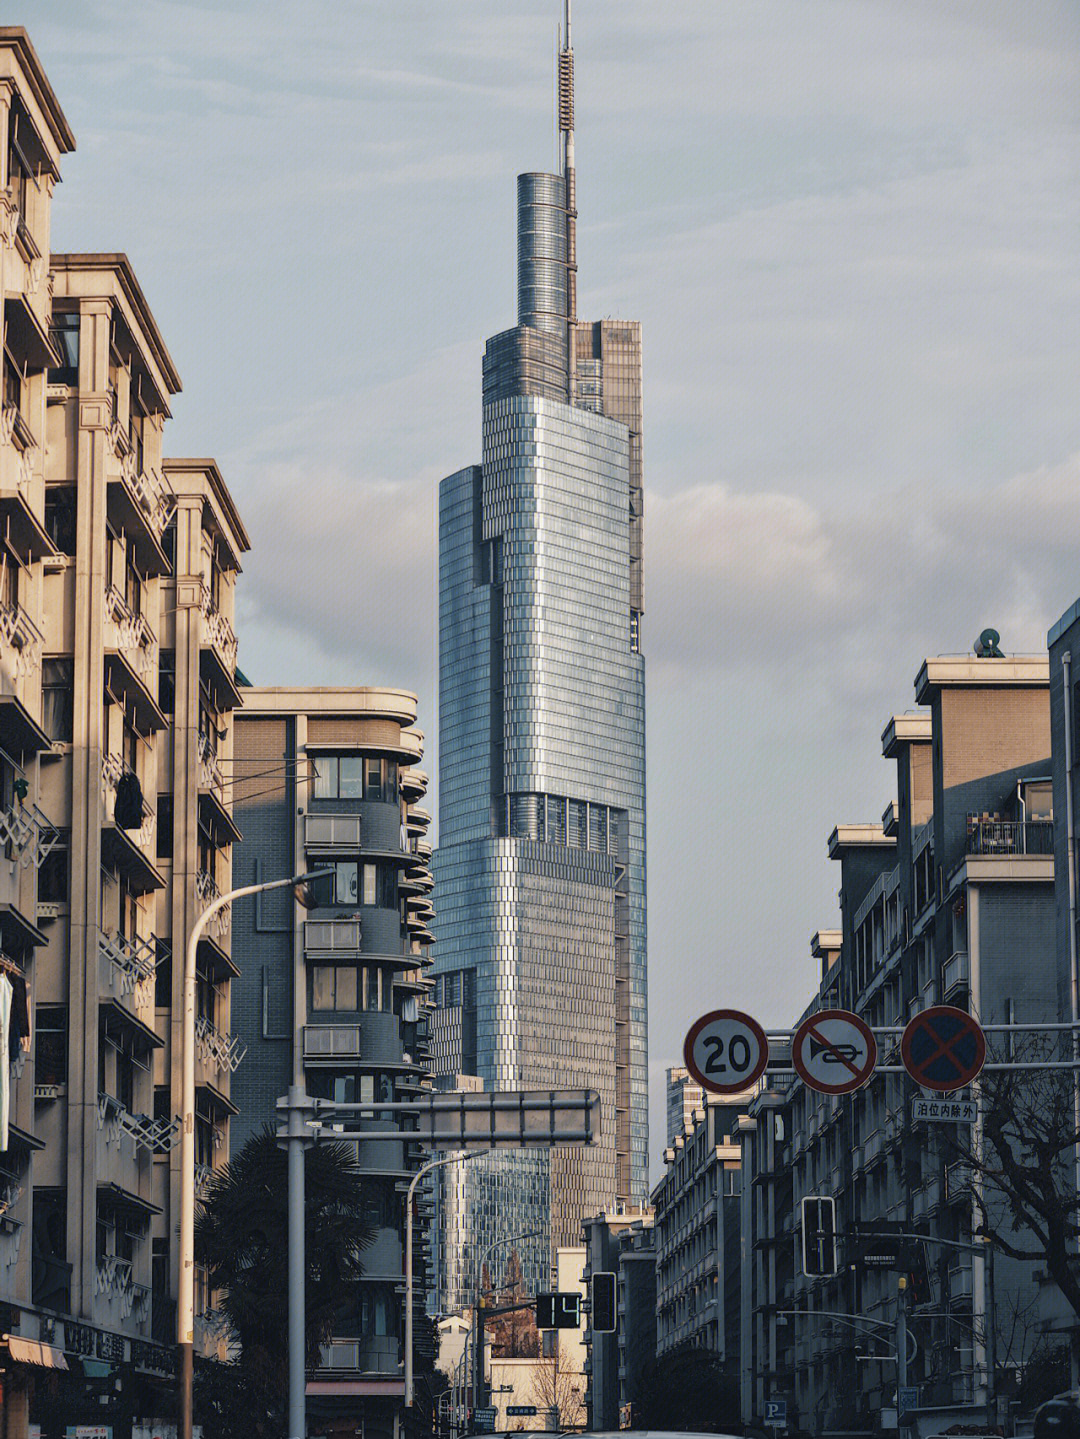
241 1235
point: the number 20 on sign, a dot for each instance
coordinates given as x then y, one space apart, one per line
726 1051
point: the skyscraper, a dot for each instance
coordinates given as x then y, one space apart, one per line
540 871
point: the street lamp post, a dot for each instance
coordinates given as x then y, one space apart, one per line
185 1288
478 1342
435 1163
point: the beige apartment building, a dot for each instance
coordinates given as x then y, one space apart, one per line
117 687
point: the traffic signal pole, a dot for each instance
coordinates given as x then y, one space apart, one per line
901 1341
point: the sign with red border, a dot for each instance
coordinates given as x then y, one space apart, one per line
834 1051
726 1051
943 1048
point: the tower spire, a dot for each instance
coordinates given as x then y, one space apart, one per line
566 127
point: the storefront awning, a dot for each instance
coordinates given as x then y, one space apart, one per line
30 1351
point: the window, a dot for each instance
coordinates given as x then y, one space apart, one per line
334 986
54 884
340 887
346 776
164 826
60 517
167 681
64 334
58 697
50 1044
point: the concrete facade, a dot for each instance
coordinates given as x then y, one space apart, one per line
949 900
335 998
117 661
620 1241
697 1235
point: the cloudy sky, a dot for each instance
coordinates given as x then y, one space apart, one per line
850 228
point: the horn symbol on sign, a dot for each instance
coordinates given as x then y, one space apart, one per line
834 1053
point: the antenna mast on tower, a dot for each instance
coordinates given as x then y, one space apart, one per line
566 128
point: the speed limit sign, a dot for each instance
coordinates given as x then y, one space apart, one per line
726 1051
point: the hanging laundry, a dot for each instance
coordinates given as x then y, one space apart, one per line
128 810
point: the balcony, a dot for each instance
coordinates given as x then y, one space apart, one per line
956 973
214 813
961 1285
21 526
141 503
21 643
216 1047
218 654
332 832
206 891
129 849
1000 837
131 661
130 966
375 1354
925 1200
29 833
331 937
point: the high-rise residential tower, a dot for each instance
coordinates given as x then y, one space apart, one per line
540 871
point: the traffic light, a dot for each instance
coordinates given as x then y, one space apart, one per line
558 1310
818 1235
604 1318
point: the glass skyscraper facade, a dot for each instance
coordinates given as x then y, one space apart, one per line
540 870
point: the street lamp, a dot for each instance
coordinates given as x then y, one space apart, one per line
424 1169
478 1342
185 1288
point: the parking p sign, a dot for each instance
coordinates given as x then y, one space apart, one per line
776 1413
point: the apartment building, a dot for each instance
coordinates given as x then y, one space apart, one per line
117 663
684 1098
34 136
949 899
697 1234
336 998
620 1241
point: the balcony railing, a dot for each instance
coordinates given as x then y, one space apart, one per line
331 936
1009 836
210 776
133 963
127 631
113 1274
218 630
206 891
19 633
150 490
216 1047
14 431
25 828
956 972
112 767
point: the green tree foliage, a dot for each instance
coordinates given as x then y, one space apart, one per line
688 1389
241 1235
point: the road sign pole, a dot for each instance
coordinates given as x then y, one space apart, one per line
901 1341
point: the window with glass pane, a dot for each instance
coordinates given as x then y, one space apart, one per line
370 877
373 779
350 782
346 887
324 785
